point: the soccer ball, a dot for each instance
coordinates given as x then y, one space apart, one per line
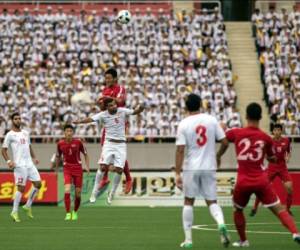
124 16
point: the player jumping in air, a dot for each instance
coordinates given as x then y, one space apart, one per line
252 145
117 92
282 150
70 148
197 135
114 150
23 164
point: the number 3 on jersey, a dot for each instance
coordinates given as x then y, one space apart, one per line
201 135
254 154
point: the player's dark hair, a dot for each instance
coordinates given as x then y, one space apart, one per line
278 125
107 101
14 115
68 126
112 72
193 102
254 111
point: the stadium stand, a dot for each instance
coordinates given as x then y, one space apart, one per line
47 57
277 38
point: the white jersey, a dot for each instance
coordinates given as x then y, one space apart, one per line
199 134
19 142
114 124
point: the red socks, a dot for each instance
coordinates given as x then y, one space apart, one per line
289 201
256 204
287 221
240 224
127 171
67 202
77 203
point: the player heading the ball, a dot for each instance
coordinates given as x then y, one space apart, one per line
114 151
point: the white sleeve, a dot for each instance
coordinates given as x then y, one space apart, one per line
97 117
219 132
180 138
126 111
7 141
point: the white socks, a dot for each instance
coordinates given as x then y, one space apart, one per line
31 197
98 177
217 213
17 200
116 181
187 219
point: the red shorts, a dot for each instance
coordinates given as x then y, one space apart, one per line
282 173
74 176
261 187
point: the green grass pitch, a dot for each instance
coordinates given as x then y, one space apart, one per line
130 228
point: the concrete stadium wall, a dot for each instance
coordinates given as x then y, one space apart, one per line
145 156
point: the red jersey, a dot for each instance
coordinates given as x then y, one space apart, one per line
116 91
251 146
281 148
71 152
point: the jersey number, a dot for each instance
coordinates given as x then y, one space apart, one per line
22 141
201 135
253 155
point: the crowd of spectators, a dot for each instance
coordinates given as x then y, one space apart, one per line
45 58
277 36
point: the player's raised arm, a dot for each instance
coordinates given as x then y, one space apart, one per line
138 110
83 121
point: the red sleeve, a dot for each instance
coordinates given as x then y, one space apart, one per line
82 148
230 135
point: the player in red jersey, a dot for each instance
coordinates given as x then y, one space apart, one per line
117 92
282 150
70 148
252 145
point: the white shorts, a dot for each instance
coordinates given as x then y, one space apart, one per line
200 183
114 154
22 174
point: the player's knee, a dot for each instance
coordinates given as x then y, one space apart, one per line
78 193
289 187
104 168
37 185
118 170
21 189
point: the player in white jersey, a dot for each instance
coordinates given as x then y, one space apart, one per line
23 164
196 159
114 151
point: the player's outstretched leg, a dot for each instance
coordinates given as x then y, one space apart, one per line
255 207
116 182
128 185
95 191
27 207
286 220
187 222
240 225
18 196
217 213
